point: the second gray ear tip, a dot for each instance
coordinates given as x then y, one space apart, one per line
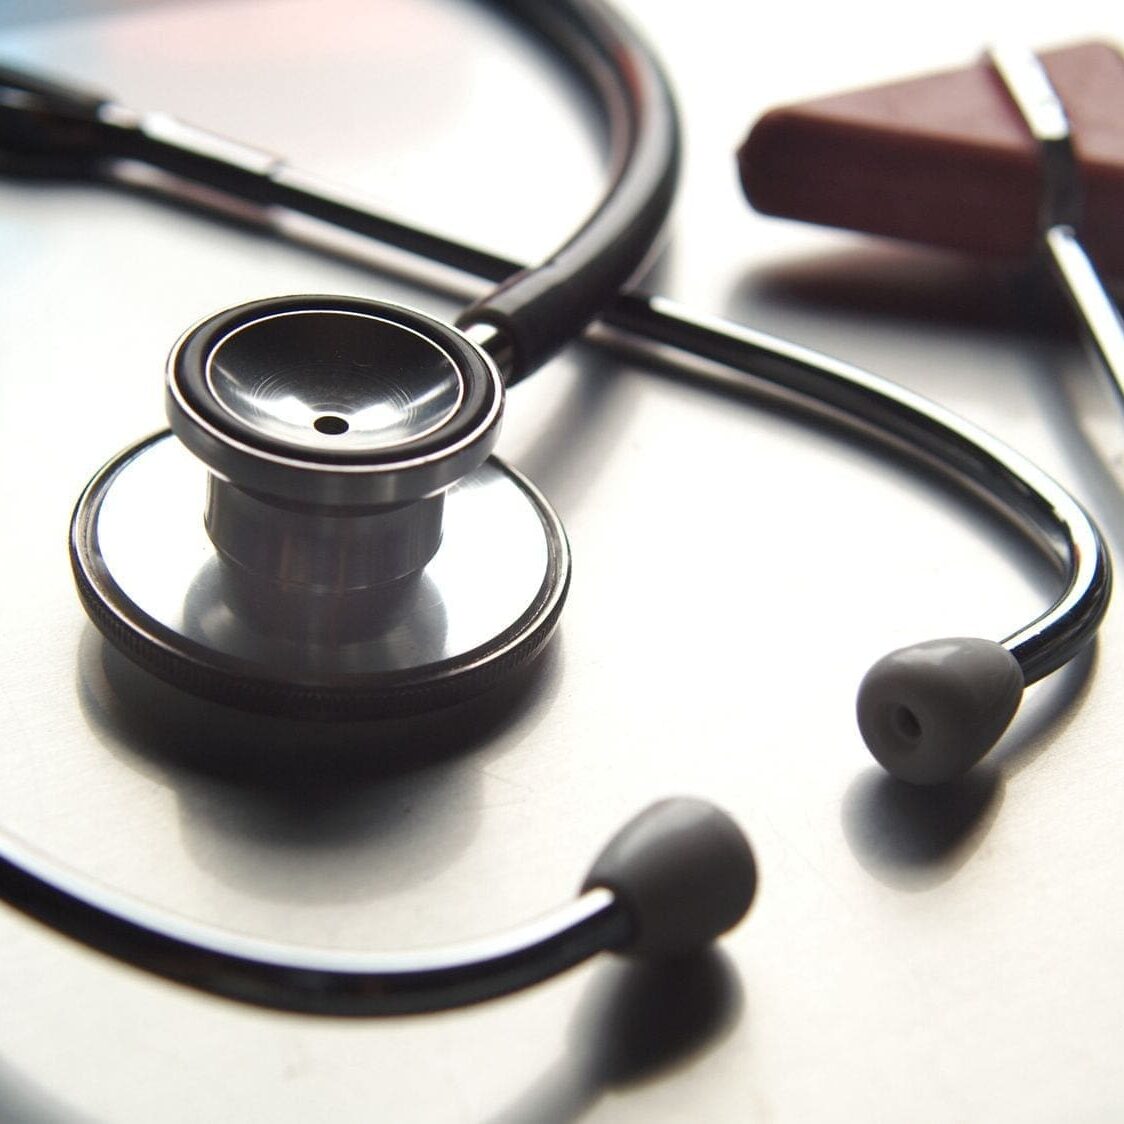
685 873
929 712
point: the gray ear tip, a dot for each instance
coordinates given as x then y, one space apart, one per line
929 712
683 870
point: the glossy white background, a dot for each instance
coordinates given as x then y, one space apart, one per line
930 957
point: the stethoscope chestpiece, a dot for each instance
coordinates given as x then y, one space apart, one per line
347 548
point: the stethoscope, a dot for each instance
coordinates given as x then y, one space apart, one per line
325 533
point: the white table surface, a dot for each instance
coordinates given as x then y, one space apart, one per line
921 956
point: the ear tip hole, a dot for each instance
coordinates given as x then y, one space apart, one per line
906 723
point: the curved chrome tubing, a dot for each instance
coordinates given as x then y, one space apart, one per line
928 433
1045 117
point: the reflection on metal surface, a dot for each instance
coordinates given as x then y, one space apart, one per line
637 1022
1062 204
152 577
328 380
317 548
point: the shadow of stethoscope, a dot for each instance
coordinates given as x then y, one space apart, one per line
349 799
638 1022
22 1101
886 281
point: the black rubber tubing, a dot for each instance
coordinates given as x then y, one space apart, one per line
542 308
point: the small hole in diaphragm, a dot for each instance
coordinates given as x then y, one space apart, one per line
331 424
907 724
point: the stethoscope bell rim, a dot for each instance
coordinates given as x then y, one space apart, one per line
374 595
230 420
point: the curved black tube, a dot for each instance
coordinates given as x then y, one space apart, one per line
542 308
673 879
306 980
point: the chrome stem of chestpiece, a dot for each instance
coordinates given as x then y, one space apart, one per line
1043 113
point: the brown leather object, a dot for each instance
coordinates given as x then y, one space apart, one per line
945 159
